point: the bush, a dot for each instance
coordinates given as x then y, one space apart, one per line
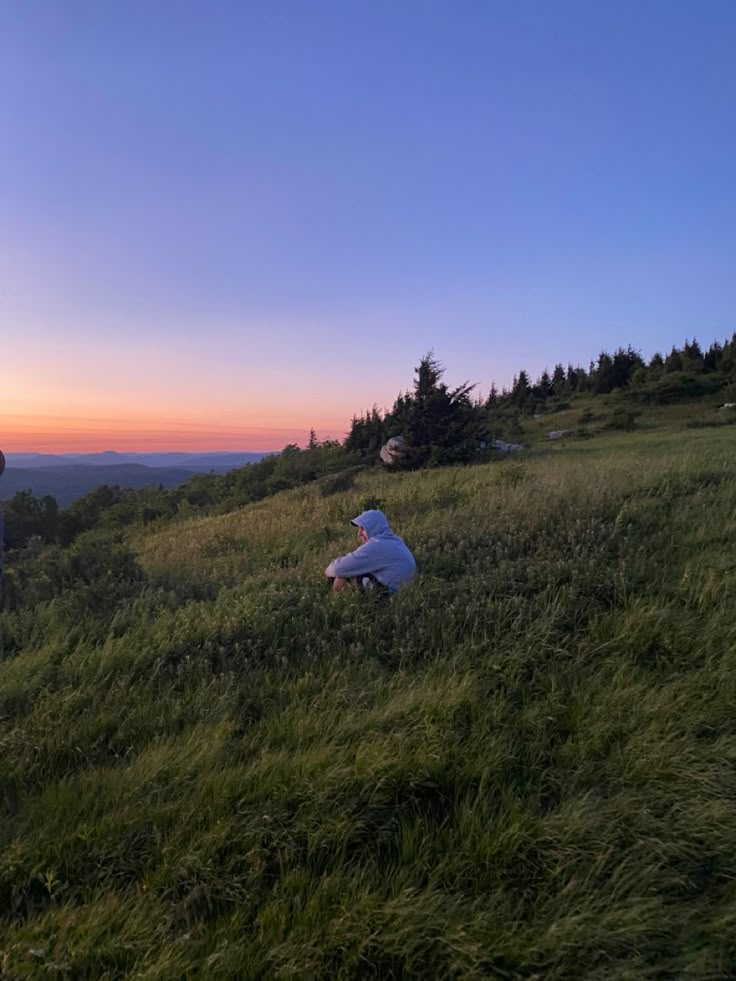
100 568
710 423
622 420
676 387
339 482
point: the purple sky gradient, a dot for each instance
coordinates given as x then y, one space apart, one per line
228 219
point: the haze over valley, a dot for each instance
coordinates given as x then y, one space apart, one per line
69 476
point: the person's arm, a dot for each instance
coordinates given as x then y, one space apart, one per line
357 563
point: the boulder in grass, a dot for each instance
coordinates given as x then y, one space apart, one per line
393 451
503 447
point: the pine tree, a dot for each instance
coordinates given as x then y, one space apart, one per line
368 432
543 388
521 389
625 363
440 425
656 365
712 357
692 357
559 380
604 374
673 361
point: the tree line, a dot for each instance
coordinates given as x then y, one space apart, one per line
442 425
438 424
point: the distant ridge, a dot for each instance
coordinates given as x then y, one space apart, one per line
68 483
192 461
67 477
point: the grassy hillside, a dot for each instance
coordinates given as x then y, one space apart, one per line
524 765
585 415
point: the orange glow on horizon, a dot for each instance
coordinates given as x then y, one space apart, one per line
48 434
115 395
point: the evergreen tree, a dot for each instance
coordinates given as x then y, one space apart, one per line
673 362
604 374
692 357
368 432
543 389
728 357
521 390
712 357
429 374
625 362
656 365
439 425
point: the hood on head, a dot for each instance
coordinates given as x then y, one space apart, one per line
374 522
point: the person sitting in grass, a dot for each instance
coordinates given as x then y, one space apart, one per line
382 562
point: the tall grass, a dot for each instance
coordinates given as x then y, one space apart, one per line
524 765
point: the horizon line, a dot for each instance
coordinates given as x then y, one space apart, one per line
127 452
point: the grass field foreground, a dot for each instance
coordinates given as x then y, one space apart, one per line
524 765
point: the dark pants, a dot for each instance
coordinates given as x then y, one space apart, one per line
369 584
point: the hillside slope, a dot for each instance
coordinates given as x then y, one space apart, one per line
522 765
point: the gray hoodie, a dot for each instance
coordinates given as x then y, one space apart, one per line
384 555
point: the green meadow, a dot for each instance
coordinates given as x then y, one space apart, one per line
522 766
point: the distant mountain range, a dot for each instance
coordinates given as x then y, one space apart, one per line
191 461
69 476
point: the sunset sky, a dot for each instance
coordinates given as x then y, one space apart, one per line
223 223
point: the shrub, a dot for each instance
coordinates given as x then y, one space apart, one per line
622 420
338 482
677 386
710 423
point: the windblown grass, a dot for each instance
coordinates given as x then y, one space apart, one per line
524 765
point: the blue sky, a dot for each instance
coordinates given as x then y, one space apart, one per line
263 213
